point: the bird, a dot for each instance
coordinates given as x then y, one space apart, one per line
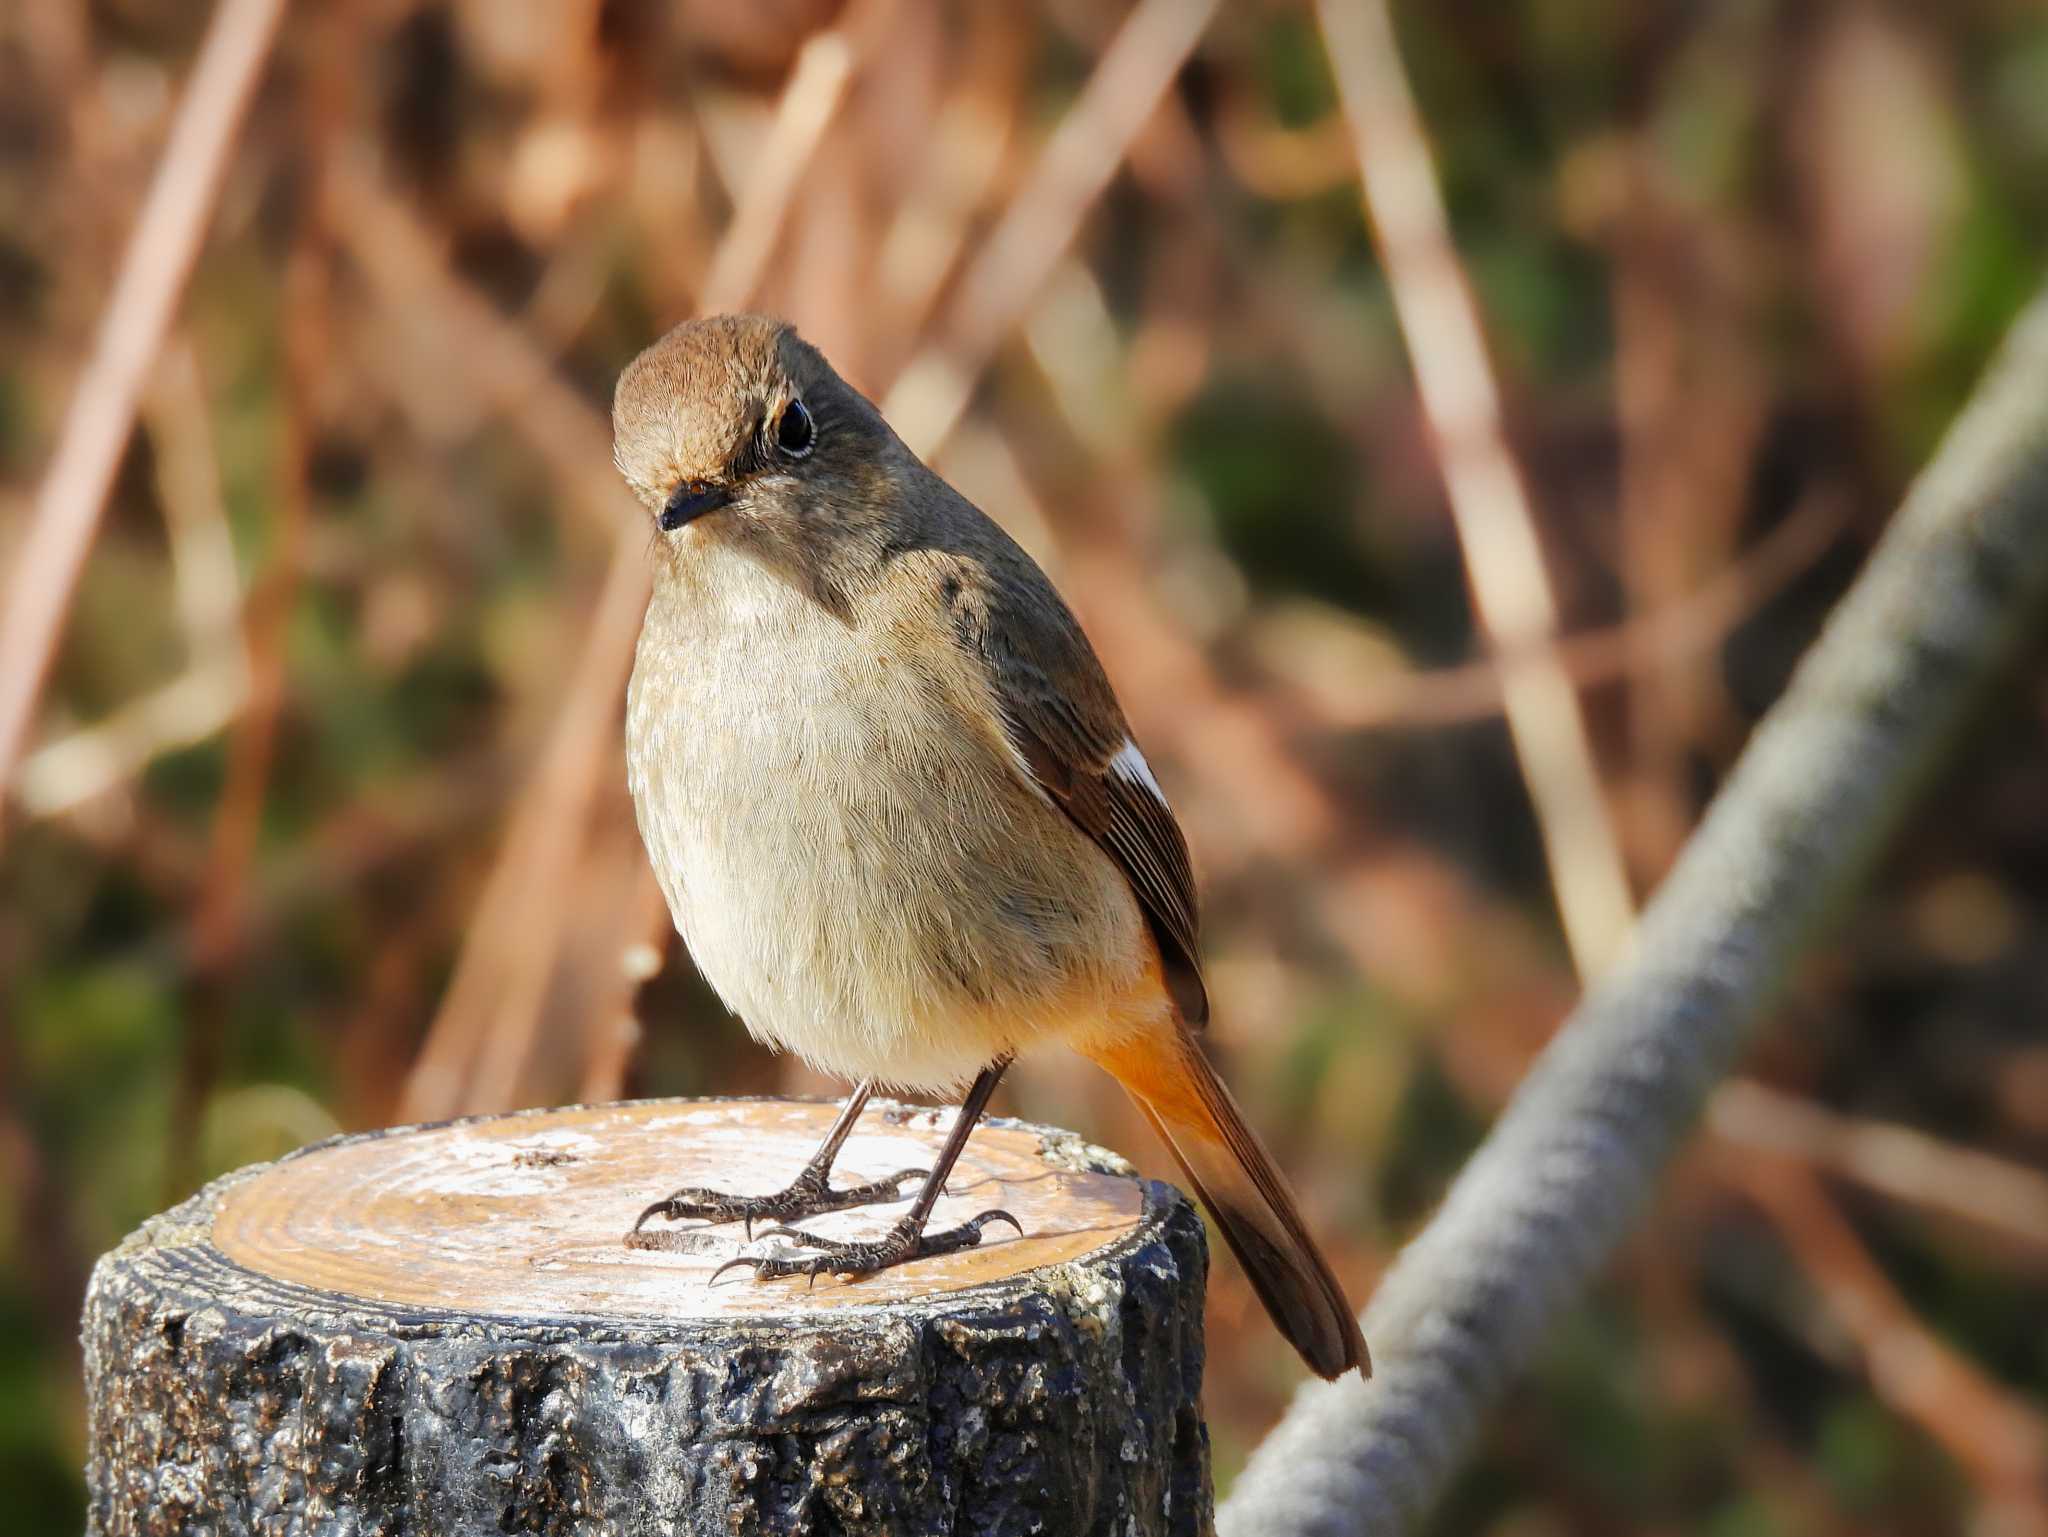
896 810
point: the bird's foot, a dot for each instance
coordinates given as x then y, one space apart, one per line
905 1241
809 1196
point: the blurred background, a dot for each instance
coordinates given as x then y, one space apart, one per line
321 823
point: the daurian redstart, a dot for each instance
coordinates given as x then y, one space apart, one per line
895 807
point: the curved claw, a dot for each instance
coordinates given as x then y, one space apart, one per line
998 1215
967 1235
680 1203
808 1196
773 1267
641 1221
766 1267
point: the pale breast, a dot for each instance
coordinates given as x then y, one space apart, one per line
854 862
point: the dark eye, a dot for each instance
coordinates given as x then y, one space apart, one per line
795 433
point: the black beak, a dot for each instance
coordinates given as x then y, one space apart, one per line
690 501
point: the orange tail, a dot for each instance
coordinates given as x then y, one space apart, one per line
1234 1175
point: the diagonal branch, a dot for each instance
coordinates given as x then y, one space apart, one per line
153 272
1999 1438
1489 499
67 773
1688 627
1830 773
1993 1194
1134 74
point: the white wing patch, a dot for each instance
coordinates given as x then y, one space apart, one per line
1129 765
1024 769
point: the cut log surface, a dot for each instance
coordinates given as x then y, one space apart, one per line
437 1331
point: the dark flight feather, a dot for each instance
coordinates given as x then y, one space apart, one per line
1062 718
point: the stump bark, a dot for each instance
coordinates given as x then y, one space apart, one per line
438 1331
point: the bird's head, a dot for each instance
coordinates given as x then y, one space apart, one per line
734 429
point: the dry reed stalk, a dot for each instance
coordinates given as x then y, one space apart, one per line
1488 493
153 271
1006 274
2000 1440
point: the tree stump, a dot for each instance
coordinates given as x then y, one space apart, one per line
440 1330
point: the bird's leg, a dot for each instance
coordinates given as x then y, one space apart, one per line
808 1194
907 1240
